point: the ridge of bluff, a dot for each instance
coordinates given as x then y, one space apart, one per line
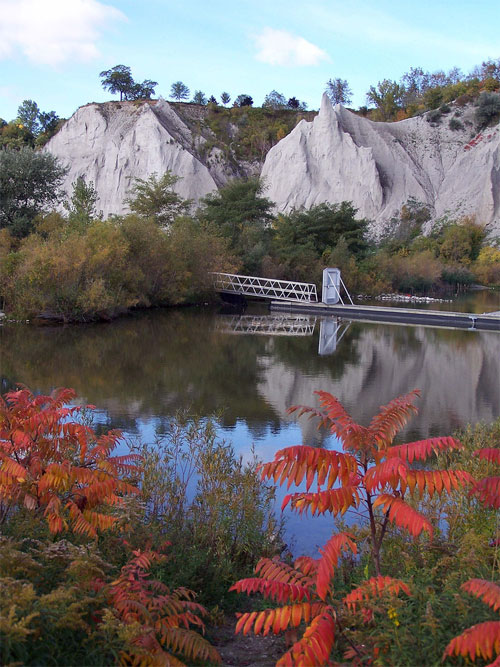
379 166
113 144
337 156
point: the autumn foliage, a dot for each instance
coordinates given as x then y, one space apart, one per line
371 475
51 464
161 619
482 640
63 473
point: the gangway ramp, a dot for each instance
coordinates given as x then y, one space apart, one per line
265 288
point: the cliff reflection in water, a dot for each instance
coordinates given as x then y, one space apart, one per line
153 364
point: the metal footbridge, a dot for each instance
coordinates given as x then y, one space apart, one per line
265 288
288 296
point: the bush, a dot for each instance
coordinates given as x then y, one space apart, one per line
488 110
212 507
486 268
461 242
107 267
457 275
411 272
433 117
455 124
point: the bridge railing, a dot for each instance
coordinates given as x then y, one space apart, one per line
267 288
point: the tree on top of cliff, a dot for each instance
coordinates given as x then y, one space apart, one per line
179 91
119 79
339 91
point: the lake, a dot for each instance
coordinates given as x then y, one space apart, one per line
140 370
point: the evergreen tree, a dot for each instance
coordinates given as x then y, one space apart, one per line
179 91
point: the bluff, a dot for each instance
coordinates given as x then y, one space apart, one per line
379 166
113 144
334 156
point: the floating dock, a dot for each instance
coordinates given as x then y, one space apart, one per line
437 318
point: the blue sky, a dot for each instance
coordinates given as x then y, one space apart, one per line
52 51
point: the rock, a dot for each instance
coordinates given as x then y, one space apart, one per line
379 166
113 144
337 156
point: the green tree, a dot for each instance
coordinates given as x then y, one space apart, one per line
28 114
82 204
242 215
48 121
320 229
118 79
296 104
225 98
199 97
243 100
142 91
179 91
155 198
274 100
387 98
339 91
29 184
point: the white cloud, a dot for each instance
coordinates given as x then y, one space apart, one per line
51 32
279 47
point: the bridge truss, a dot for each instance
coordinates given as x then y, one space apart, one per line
267 288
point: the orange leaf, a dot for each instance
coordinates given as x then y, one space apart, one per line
481 640
402 514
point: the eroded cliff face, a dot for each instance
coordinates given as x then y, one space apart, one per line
379 166
337 156
113 144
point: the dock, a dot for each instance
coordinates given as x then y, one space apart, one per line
437 318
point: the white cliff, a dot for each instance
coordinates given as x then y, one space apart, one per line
338 156
379 166
113 144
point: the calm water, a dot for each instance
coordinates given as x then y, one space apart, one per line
139 371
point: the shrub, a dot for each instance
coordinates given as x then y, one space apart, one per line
461 242
455 124
457 275
433 117
486 268
488 110
210 505
376 478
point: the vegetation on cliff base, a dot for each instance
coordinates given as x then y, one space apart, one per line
80 267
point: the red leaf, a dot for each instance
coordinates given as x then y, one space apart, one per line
481 640
487 591
402 514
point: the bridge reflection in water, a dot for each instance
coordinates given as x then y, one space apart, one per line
331 329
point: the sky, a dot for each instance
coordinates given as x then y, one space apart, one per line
52 51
